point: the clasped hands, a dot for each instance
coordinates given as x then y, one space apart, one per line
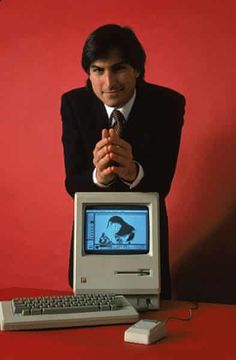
112 157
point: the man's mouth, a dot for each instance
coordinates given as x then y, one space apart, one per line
112 91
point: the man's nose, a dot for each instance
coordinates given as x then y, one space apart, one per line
109 79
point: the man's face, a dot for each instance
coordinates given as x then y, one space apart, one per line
113 80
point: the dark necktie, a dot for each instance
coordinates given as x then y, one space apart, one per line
119 121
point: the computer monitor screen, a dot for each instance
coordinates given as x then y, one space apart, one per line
116 229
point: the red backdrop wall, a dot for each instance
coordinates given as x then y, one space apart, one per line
191 48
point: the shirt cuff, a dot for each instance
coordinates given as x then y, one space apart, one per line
131 185
97 183
138 178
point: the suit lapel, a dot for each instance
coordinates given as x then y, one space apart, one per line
100 113
96 118
136 120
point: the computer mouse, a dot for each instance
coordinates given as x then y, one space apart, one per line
146 331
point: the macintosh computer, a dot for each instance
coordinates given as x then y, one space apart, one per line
116 245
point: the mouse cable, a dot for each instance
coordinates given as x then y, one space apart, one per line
195 306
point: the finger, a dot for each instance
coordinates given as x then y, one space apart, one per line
100 155
117 150
100 144
113 136
105 176
105 133
115 139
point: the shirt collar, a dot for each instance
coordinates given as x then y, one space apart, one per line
125 110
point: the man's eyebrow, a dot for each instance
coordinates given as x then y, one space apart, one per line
95 66
121 63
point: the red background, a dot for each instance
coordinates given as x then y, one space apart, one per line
190 47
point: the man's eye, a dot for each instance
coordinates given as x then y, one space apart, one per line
97 70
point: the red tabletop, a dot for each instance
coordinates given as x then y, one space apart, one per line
210 334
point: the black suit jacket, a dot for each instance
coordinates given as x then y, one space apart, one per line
154 132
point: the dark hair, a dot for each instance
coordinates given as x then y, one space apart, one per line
109 37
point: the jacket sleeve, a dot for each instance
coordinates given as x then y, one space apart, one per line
78 167
159 151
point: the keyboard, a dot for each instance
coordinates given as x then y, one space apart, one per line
66 311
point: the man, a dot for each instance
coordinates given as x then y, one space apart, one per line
144 157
